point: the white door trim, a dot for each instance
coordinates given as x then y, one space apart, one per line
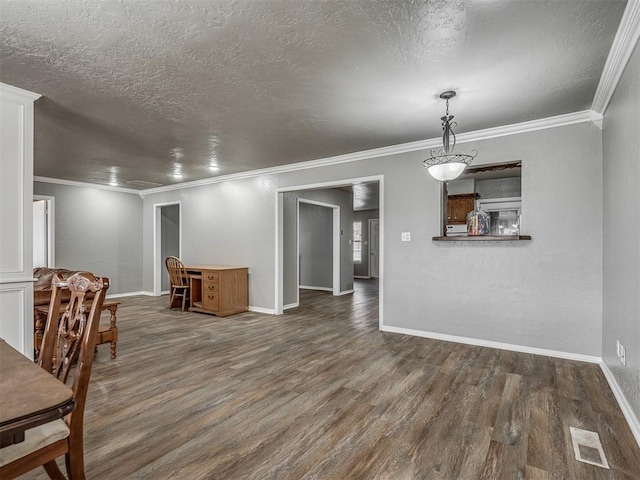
370 249
279 224
157 269
51 228
336 244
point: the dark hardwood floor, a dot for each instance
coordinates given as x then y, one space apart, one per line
320 393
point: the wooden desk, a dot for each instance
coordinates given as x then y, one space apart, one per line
110 335
30 396
218 290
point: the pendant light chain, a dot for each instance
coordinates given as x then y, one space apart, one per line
447 164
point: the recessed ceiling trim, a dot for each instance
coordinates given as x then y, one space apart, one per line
516 128
73 183
623 44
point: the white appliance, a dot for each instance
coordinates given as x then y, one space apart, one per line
504 215
456 230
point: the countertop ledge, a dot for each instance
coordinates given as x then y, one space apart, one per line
483 238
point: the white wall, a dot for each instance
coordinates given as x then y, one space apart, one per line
621 173
16 217
546 293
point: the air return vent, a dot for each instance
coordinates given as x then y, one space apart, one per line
587 447
143 184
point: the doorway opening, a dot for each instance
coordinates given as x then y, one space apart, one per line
44 231
167 241
318 246
283 283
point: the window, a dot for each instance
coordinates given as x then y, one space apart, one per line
357 242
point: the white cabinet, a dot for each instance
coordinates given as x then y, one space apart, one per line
16 228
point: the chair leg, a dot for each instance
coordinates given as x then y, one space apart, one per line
184 299
171 297
75 465
53 471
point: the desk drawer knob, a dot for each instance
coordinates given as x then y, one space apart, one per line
211 287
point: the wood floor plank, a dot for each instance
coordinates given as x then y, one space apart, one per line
320 393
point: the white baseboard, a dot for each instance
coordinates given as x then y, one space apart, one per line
345 292
291 305
487 343
324 289
129 294
361 276
632 420
269 311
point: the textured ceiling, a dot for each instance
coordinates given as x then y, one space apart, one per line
137 89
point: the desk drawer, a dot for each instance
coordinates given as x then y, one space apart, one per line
210 301
208 276
210 288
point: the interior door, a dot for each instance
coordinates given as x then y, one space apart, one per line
374 247
40 234
169 239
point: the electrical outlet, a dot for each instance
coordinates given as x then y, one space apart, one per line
405 236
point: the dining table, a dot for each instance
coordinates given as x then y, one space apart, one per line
29 396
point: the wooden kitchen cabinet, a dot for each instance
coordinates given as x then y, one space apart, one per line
458 206
219 290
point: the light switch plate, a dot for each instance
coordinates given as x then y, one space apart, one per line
405 236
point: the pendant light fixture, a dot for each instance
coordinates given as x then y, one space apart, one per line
446 164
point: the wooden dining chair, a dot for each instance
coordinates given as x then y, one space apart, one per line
179 279
68 346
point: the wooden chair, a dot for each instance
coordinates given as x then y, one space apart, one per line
179 279
68 344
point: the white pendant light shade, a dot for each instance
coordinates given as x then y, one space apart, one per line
446 164
447 171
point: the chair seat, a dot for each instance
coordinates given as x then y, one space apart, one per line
34 439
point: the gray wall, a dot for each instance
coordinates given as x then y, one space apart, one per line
456 187
229 223
99 231
316 245
362 269
169 238
329 195
621 174
499 187
553 283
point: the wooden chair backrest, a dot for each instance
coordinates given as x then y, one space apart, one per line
177 273
70 339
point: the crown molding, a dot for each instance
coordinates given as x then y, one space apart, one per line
525 127
621 50
97 186
487 133
597 119
19 92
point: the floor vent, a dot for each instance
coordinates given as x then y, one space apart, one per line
142 183
587 447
